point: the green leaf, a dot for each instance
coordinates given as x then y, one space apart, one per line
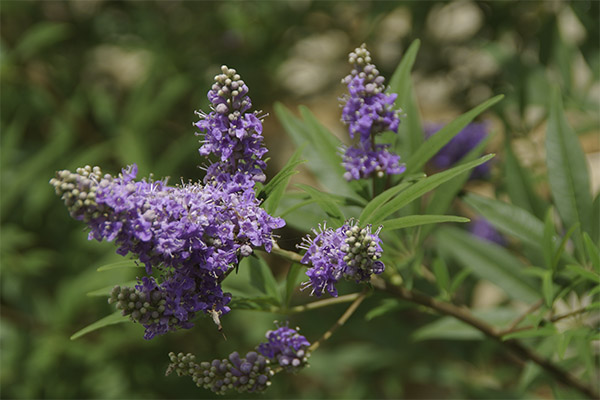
416 220
567 170
488 261
454 329
446 193
592 251
529 373
548 289
267 304
428 149
386 306
40 36
442 277
323 160
548 240
380 200
584 273
326 203
458 280
401 83
120 264
420 188
275 189
546 330
261 277
115 318
519 185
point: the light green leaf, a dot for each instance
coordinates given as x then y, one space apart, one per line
592 251
326 203
401 83
428 149
519 185
442 277
261 277
548 289
267 304
292 279
120 264
275 189
416 220
548 239
381 199
546 330
40 36
567 170
115 318
488 261
420 188
386 306
585 273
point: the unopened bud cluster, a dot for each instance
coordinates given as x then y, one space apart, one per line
249 374
363 252
228 93
78 191
360 59
145 308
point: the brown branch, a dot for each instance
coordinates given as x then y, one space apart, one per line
490 331
340 321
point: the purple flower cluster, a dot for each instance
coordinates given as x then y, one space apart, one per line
286 347
461 144
190 236
348 251
368 111
232 134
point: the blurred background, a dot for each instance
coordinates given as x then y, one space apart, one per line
112 83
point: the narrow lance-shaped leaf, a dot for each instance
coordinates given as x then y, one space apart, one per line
519 185
418 220
420 188
410 129
488 261
441 138
115 318
326 203
567 170
274 190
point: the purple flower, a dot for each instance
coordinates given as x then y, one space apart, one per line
368 111
361 163
348 251
286 347
232 134
461 144
484 230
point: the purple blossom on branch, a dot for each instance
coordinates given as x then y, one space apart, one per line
368 111
286 347
346 252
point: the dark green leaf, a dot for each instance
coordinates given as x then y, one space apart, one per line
380 200
488 261
267 304
386 306
291 281
441 138
416 220
548 289
105 291
592 252
40 36
442 277
548 239
115 318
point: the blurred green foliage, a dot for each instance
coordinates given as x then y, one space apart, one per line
113 83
